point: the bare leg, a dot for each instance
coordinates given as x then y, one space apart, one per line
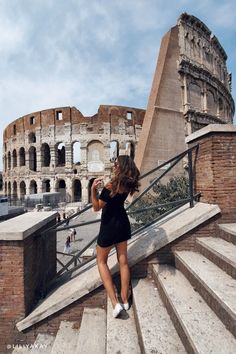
121 249
105 274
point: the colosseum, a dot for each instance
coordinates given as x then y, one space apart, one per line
60 150
191 88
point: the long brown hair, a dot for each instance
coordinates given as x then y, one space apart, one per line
126 177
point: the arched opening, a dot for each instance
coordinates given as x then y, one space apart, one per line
45 155
32 138
9 160
46 186
129 149
22 189
76 153
62 189
89 189
61 154
14 158
33 187
211 104
22 156
195 96
14 192
77 190
32 159
9 190
95 156
114 150
221 108
5 163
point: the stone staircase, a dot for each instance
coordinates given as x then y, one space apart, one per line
189 308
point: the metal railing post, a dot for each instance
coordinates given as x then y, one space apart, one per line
190 176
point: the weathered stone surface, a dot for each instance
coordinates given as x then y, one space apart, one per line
191 89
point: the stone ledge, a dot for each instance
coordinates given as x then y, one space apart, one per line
22 226
211 128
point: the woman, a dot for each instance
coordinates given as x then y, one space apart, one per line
115 226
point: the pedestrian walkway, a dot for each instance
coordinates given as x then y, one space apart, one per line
83 236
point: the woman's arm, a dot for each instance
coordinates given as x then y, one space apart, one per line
97 203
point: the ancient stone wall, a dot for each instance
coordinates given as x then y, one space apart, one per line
60 150
206 83
191 88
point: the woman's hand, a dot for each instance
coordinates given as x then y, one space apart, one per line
97 183
97 203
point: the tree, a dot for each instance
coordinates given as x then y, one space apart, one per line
176 189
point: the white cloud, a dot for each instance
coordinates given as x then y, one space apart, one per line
86 53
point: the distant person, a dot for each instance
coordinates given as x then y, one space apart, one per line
115 226
58 218
67 248
66 219
72 234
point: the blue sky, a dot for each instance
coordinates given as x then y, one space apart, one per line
84 53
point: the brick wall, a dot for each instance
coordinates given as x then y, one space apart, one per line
22 269
215 170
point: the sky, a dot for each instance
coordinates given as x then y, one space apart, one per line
84 53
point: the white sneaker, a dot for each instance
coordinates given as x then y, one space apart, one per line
117 310
125 306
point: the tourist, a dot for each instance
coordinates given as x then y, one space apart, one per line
67 248
72 234
58 217
115 226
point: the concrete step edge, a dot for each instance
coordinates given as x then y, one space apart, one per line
122 336
181 298
44 343
223 310
66 338
203 241
92 334
230 228
152 319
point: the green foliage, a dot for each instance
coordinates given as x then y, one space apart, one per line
175 189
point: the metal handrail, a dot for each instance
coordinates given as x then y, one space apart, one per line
173 161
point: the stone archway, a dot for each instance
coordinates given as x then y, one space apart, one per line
77 190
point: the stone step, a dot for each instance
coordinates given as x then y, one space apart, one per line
92 334
216 287
156 330
87 278
66 338
42 345
220 252
228 232
198 326
122 336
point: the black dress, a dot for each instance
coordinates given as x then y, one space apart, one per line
115 225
